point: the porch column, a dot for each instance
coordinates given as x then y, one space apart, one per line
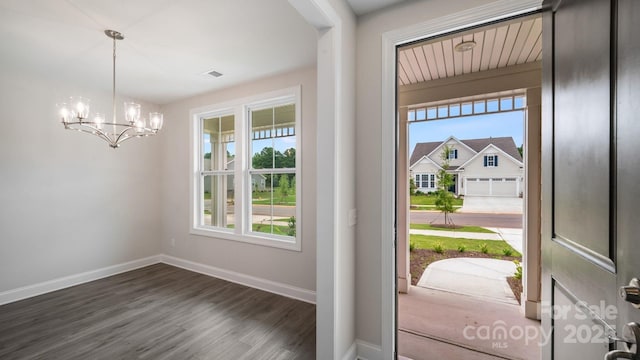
404 275
532 243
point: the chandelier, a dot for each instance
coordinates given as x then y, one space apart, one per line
75 114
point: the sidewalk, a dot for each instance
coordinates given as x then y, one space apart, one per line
513 237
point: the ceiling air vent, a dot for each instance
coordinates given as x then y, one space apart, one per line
214 73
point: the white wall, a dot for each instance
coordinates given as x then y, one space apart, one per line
368 150
293 268
345 173
69 203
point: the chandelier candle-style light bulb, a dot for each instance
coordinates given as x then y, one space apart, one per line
155 121
99 120
65 113
80 107
131 112
75 114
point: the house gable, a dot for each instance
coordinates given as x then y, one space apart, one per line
425 165
507 165
464 152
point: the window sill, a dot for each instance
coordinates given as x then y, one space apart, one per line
274 242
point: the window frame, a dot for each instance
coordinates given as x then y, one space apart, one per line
425 178
243 231
490 160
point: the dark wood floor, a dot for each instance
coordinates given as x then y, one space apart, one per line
158 312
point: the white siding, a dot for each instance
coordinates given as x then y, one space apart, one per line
464 153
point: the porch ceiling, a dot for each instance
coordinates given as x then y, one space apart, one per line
514 42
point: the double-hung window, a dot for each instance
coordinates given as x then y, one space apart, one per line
426 181
246 170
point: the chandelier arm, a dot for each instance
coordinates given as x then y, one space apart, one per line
99 133
122 133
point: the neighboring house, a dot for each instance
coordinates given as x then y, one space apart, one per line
480 167
258 181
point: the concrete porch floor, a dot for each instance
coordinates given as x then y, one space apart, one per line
432 323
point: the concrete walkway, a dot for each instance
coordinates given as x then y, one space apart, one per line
432 325
478 277
513 237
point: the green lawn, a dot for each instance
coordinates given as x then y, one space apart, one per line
266 228
429 201
475 229
495 247
264 198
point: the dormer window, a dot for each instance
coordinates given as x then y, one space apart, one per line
490 160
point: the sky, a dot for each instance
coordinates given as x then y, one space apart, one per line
470 127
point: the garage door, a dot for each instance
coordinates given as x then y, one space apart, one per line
491 187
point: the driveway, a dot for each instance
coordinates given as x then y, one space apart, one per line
490 204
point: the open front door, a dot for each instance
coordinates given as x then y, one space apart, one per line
591 167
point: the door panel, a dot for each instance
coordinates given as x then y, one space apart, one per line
628 152
579 270
591 167
582 126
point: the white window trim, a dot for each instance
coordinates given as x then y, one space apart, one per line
430 179
493 160
240 109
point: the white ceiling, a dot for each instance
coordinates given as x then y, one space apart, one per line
168 44
514 42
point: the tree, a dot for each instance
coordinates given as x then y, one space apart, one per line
444 198
521 149
412 187
283 187
289 158
267 158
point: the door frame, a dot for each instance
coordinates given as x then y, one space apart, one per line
390 40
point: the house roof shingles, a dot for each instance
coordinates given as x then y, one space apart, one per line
506 144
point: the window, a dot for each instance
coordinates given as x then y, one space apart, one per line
245 174
453 154
426 181
491 160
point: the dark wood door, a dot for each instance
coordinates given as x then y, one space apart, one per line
591 163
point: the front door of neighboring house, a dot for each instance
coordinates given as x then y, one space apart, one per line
591 166
452 188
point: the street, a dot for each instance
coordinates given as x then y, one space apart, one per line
474 219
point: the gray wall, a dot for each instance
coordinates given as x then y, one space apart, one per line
284 266
69 203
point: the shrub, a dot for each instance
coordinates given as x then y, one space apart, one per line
518 273
439 248
461 248
418 192
507 252
292 226
412 246
484 248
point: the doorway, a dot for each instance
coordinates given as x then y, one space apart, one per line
442 78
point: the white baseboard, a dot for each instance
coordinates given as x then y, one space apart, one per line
243 279
368 351
77 279
72 280
352 353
